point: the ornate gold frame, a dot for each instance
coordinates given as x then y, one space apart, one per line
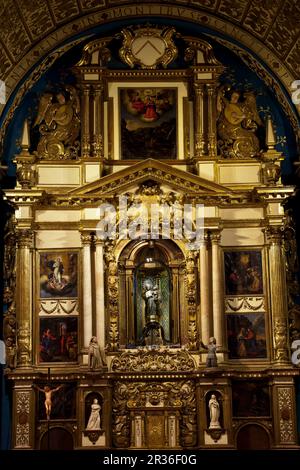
266 295
37 299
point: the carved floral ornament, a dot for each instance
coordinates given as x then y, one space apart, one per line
162 359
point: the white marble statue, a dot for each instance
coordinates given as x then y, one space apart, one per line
214 412
94 419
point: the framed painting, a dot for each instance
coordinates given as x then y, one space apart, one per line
58 339
243 272
250 398
148 127
58 274
246 336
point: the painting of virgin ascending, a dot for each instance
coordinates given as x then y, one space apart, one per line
58 274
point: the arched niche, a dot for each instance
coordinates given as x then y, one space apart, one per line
252 436
161 264
88 401
220 400
57 439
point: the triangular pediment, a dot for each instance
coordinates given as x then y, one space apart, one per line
154 170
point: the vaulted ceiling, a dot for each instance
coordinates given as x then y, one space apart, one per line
32 28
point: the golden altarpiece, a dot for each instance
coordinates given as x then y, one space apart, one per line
117 318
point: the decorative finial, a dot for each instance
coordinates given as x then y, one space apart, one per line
270 134
25 142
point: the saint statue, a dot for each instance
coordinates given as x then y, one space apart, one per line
153 333
94 419
152 299
211 360
95 360
214 412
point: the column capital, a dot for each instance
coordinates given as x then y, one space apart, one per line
215 237
204 240
86 88
199 87
98 88
211 87
274 234
86 238
24 238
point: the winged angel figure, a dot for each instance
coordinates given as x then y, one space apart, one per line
59 125
238 120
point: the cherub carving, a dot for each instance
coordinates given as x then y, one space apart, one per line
238 120
59 124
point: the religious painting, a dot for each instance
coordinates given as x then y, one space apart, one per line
243 272
58 274
148 122
58 339
246 336
250 398
63 400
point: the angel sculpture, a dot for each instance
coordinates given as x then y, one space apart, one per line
237 123
59 124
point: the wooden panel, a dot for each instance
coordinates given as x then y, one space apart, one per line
155 431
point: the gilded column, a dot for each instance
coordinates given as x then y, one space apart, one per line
24 297
99 283
212 130
205 291
85 122
199 120
217 289
97 122
278 290
86 240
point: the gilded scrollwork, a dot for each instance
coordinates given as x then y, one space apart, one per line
191 295
120 415
152 360
59 125
286 425
24 344
148 47
9 292
22 427
179 395
292 268
113 297
280 339
238 120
